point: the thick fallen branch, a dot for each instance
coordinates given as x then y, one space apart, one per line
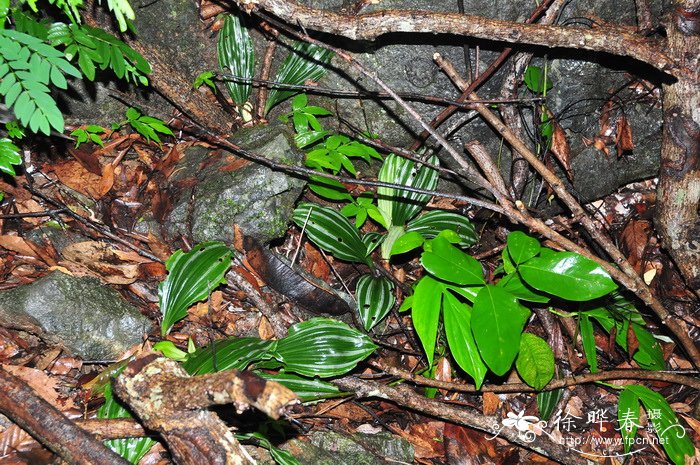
50 427
168 401
369 26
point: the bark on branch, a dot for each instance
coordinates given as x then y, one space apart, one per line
369 26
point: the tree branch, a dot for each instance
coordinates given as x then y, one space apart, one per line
369 26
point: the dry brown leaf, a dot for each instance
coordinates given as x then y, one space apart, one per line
30 206
632 341
100 260
87 159
18 245
491 403
624 140
265 330
426 438
107 179
15 439
560 146
467 446
635 237
43 384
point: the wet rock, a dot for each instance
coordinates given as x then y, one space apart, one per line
91 319
260 201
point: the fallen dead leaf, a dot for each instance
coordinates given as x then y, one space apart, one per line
560 146
18 245
491 402
99 260
624 140
43 384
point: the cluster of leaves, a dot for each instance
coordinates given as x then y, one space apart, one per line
305 62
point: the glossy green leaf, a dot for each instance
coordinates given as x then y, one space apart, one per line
628 417
672 435
535 80
547 402
588 338
9 156
232 353
331 231
305 62
515 285
375 298
191 277
280 456
436 221
650 354
567 275
447 262
407 242
497 323
131 449
535 362
323 347
399 206
329 188
457 317
426 303
237 57
522 247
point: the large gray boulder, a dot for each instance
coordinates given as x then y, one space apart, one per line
91 319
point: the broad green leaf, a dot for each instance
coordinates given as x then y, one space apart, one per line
399 206
282 457
649 355
237 56
672 435
9 156
329 188
305 62
522 247
191 277
567 275
426 303
374 299
323 347
436 221
407 242
331 231
588 338
535 80
515 285
132 449
447 262
497 323
307 389
628 417
547 401
232 353
457 317
535 362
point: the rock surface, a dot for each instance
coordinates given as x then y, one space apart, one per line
90 319
260 201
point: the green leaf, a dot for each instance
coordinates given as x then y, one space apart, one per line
497 323
522 247
399 206
228 354
535 80
9 156
426 303
329 188
323 347
170 350
307 389
237 56
649 355
132 449
374 299
567 275
457 317
433 223
515 285
447 262
191 277
535 362
547 401
305 62
282 457
588 338
331 231
672 435
407 242
628 417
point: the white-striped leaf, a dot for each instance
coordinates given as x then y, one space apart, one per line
432 223
236 56
191 277
331 231
307 389
323 347
399 206
374 299
233 353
